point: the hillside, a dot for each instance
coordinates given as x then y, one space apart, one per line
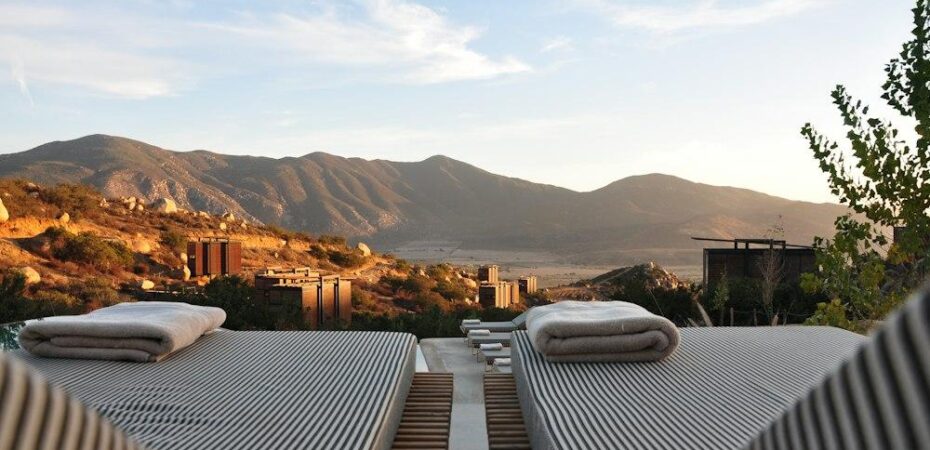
73 243
649 217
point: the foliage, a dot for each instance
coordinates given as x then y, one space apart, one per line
17 304
332 240
450 290
88 248
430 323
348 259
173 239
237 297
888 183
76 199
832 313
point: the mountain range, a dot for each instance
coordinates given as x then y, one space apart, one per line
388 204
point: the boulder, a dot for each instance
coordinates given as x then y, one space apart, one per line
203 214
183 257
32 276
229 217
186 273
30 186
146 285
139 207
222 226
64 217
34 194
470 283
141 246
4 214
364 249
165 205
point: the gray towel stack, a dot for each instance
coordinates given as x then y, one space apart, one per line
140 332
572 331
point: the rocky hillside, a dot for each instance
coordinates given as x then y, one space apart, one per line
649 217
67 239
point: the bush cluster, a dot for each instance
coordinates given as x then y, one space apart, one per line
88 248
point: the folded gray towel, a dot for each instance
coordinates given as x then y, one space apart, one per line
141 332
571 331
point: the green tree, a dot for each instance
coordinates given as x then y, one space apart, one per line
884 178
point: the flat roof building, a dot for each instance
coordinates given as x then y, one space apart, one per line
318 301
502 294
214 257
528 284
488 274
744 261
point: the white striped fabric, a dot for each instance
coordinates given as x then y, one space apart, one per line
36 415
721 388
879 399
251 390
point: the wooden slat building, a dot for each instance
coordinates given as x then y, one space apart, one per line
317 300
745 261
214 257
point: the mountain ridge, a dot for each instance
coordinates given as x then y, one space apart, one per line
390 203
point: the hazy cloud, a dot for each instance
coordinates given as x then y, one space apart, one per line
65 47
417 43
696 15
556 43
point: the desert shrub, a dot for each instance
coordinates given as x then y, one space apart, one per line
332 240
76 199
450 290
12 303
402 266
280 232
431 323
416 284
348 259
439 271
88 248
538 298
237 297
427 300
362 299
96 293
317 251
173 239
140 269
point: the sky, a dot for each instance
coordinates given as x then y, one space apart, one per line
574 93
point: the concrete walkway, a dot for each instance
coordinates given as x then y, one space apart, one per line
468 430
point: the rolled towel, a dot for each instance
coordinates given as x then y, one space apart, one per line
140 332
479 333
471 322
572 331
491 347
502 362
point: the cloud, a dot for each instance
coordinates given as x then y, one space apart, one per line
18 73
700 15
64 47
556 44
413 42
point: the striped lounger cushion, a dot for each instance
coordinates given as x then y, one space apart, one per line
34 414
721 388
250 390
879 399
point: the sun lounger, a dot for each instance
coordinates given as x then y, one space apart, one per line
766 388
517 323
719 389
491 355
35 414
282 390
493 338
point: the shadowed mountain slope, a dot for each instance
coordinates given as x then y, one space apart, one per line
389 203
